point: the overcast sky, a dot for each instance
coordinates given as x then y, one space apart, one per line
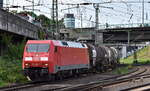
123 12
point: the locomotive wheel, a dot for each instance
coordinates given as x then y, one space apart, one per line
45 77
100 68
74 73
51 77
77 73
58 76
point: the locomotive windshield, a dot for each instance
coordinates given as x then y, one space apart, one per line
38 47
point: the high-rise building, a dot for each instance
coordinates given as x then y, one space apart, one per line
69 21
1 3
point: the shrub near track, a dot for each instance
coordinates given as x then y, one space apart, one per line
10 72
11 62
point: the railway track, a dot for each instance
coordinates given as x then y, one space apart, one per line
145 87
21 86
139 71
115 84
51 86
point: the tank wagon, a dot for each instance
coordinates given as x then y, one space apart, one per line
53 59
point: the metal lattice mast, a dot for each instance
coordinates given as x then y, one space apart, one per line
143 13
55 17
33 6
96 6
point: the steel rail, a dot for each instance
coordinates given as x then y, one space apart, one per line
36 84
105 82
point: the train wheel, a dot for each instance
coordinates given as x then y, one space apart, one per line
74 73
78 72
52 77
45 77
58 76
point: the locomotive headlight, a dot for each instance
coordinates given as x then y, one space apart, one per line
44 58
46 64
27 65
28 58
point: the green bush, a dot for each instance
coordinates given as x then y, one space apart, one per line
14 51
11 72
11 62
41 34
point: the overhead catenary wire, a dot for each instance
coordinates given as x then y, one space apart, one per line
125 12
116 5
119 11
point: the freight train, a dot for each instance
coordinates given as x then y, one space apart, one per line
51 59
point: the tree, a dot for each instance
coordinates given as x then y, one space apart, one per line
45 21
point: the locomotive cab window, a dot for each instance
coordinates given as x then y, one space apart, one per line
38 47
65 43
83 45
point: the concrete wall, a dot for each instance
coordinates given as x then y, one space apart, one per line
12 23
124 51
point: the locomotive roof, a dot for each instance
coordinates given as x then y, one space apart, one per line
69 44
60 43
39 41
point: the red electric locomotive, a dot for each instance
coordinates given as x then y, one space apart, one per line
54 58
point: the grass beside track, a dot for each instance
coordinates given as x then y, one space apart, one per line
143 57
10 72
122 70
